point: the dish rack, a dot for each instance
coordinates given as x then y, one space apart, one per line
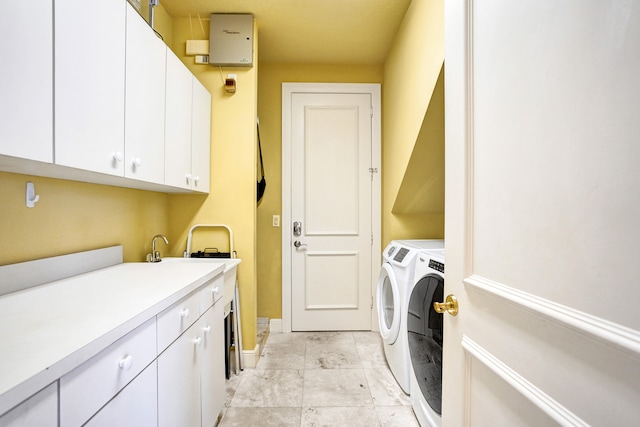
233 323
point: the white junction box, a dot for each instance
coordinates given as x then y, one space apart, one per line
231 40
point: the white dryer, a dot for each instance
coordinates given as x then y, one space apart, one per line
395 279
424 337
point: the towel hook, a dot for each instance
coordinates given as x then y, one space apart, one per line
31 196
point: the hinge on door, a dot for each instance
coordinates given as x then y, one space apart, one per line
371 239
371 302
372 171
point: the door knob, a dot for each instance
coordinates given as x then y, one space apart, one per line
297 244
450 305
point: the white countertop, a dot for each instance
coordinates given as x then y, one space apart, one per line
48 330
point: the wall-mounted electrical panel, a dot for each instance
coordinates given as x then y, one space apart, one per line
231 40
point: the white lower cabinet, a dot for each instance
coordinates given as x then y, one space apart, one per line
212 365
135 406
167 372
87 388
176 319
40 410
179 381
191 374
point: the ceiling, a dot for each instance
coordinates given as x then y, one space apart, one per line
310 31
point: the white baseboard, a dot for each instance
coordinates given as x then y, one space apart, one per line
251 357
275 326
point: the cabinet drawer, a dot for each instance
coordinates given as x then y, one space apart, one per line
210 293
87 388
176 319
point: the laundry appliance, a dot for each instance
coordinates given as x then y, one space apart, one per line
394 282
424 337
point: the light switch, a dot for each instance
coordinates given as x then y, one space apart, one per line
276 220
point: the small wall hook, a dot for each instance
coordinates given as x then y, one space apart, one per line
31 196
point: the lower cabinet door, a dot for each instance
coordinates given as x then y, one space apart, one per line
179 381
212 364
134 406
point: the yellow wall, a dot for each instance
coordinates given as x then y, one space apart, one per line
232 198
270 112
416 55
73 216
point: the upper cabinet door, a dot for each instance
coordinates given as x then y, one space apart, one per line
200 137
144 101
178 124
89 83
26 80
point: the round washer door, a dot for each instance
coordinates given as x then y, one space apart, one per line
424 328
388 298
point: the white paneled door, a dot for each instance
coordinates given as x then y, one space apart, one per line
330 241
542 208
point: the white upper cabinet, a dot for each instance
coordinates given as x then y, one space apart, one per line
187 128
200 137
178 124
26 80
144 101
212 385
98 94
89 83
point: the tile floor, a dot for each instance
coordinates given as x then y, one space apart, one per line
318 379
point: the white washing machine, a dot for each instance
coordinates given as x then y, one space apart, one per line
395 279
424 337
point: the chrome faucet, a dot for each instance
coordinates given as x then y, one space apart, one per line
154 256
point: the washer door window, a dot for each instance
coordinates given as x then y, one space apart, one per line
424 327
388 297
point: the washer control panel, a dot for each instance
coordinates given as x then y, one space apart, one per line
401 254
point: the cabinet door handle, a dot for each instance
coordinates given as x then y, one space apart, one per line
137 162
207 329
197 341
184 313
125 364
188 177
215 290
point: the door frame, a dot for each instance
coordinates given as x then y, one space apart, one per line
288 89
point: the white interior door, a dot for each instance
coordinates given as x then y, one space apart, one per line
542 208
332 197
